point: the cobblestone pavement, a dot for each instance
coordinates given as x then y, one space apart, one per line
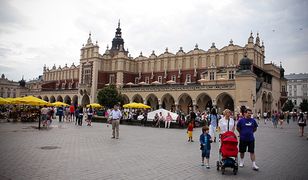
66 151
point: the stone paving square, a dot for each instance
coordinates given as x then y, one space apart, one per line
141 153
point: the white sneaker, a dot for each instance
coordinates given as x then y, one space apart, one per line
241 164
255 167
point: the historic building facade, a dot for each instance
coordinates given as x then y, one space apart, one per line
297 86
200 79
9 88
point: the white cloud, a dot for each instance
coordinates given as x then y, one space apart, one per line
38 32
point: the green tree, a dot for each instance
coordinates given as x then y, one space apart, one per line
109 96
288 106
304 105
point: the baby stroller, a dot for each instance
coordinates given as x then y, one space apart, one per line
228 152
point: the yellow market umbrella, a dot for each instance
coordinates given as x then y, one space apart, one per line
4 101
143 106
136 106
34 101
95 105
17 100
58 104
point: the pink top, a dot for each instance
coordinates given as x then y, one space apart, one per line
168 118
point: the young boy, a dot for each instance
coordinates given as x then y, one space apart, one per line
205 143
190 129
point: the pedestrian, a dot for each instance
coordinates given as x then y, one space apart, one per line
265 117
301 123
80 116
288 117
44 113
156 118
115 119
259 117
76 115
190 129
90 115
72 112
281 119
205 146
160 120
60 113
246 128
168 120
213 121
226 123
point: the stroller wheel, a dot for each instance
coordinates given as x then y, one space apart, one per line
234 171
222 170
217 165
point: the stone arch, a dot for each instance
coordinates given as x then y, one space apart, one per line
52 99
75 100
137 98
204 102
224 101
167 102
125 99
85 100
264 102
152 101
59 98
185 103
67 99
45 98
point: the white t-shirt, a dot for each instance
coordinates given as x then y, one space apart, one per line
223 125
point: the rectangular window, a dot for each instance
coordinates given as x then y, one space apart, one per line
231 74
304 85
87 76
283 88
173 78
136 80
147 80
212 76
290 87
160 79
188 78
111 79
295 102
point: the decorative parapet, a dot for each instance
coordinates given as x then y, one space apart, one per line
178 87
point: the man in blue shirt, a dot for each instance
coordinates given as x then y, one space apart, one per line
116 115
246 127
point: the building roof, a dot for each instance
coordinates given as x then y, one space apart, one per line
300 76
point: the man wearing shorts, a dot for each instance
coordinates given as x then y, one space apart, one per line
246 127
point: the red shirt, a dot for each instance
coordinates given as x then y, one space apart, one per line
190 127
72 109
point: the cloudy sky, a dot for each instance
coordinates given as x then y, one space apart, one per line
38 32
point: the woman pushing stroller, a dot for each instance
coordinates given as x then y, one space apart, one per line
228 148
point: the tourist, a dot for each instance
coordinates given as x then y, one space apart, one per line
90 115
44 113
80 116
226 123
190 129
301 123
115 120
168 120
281 119
60 113
246 127
205 143
213 121
72 112
160 120
155 120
